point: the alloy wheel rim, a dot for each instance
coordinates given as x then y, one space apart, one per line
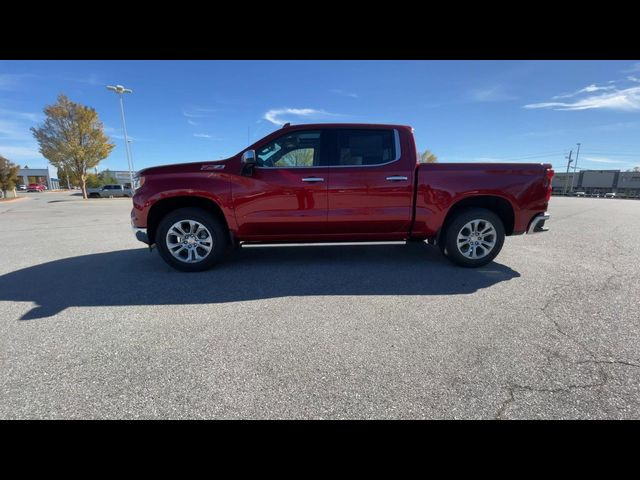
476 239
189 241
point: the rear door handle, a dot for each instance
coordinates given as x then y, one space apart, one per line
313 179
397 178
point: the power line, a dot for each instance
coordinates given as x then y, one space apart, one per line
526 157
613 154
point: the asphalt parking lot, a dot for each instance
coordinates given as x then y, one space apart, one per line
92 325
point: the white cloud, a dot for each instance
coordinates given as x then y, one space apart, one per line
15 153
191 122
198 112
633 79
495 93
283 115
603 160
546 133
18 142
206 135
11 130
91 79
588 89
343 93
614 127
633 68
15 125
115 133
622 100
32 117
13 81
121 137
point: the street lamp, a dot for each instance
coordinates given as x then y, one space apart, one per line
120 90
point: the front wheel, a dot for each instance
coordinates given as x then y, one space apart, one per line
191 239
474 237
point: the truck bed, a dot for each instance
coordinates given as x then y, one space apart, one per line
441 185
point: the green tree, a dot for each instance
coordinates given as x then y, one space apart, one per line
106 177
72 138
66 181
428 157
93 181
8 176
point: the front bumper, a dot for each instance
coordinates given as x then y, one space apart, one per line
537 224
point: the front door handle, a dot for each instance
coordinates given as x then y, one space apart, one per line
313 179
397 178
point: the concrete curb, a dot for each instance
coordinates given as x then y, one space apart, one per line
10 200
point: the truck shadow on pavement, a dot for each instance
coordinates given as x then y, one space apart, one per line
137 277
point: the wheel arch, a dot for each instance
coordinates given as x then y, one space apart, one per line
160 208
501 206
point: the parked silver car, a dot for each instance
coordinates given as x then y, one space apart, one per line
107 191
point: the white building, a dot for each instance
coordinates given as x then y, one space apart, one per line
40 176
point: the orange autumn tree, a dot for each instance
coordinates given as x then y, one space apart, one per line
72 138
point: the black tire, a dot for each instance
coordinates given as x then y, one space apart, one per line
216 228
442 246
454 227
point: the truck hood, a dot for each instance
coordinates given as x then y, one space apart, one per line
212 165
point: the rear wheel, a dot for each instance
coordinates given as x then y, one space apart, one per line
473 238
191 239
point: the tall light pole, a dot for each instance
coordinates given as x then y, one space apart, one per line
120 91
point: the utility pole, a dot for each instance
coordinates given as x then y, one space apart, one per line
575 167
566 178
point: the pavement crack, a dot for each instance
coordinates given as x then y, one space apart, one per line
563 389
557 325
610 362
501 411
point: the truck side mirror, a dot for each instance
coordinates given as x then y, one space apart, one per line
249 157
248 161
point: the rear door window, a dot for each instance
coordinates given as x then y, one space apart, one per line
364 147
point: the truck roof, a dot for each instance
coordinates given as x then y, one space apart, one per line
343 125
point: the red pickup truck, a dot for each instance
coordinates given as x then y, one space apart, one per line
332 183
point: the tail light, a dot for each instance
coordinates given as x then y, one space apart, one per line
547 182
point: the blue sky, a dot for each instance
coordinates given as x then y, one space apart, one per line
464 111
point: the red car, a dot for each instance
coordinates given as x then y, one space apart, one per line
35 187
337 182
